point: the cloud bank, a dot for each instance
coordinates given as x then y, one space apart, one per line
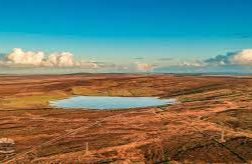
243 58
238 58
18 57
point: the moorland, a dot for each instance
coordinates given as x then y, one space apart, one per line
211 121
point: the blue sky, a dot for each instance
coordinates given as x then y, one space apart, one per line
121 31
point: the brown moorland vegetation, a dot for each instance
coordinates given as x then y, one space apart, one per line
212 121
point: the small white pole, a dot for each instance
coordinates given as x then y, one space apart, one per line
86 148
223 136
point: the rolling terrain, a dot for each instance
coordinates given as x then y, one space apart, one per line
211 122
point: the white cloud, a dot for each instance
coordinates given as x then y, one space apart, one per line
192 64
243 57
63 59
18 57
144 67
238 58
87 64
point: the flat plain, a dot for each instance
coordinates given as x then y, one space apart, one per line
211 121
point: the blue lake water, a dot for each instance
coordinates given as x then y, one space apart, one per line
107 102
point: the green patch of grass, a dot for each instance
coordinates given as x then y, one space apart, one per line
31 100
186 99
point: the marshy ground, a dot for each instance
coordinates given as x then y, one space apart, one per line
211 123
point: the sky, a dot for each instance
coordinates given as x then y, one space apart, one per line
125 36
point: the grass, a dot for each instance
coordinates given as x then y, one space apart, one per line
186 99
32 100
78 90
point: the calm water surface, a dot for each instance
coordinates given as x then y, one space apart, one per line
107 102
